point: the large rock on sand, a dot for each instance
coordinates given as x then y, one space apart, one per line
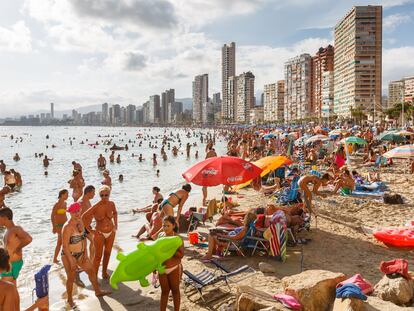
266 267
250 299
349 304
315 289
399 290
375 304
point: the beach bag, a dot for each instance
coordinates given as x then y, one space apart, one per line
393 199
42 282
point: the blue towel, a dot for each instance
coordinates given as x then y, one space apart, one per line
350 291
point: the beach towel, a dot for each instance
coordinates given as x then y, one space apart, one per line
288 301
365 286
361 193
278 230
350 291
397 266
42 282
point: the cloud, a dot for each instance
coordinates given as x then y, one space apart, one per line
16 39
391 22
157 14
396 64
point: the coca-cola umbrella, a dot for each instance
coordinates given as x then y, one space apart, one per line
221 171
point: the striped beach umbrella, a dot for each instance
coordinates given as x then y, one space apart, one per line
316 138
402 152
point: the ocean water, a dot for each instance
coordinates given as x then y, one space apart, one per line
33 204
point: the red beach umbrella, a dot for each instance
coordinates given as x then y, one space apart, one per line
221 171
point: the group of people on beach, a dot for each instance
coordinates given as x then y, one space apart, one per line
86 232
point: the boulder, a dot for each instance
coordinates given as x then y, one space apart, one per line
376 304
266 267
250 299
348 304
399 290
315 289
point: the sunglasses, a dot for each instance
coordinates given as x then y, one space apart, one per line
104 195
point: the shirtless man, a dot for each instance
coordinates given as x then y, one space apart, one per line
210 154
2 167
18 177
85 203
3 193
101 162
15 239
106 217
303 184
9 180
76 183
46 161
75 253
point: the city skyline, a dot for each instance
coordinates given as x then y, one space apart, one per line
48 56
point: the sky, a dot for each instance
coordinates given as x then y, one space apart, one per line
86 52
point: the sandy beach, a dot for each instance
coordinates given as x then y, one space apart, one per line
339 243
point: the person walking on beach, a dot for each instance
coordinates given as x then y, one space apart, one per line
106 217
76 183
170 280
15 239
75 253
58 218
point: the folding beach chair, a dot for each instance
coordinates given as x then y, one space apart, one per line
291 195
206 278
255 240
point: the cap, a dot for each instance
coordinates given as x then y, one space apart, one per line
74 207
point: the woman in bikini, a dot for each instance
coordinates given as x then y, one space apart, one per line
59 219
106 217
179 197
74 253
76 183
170 280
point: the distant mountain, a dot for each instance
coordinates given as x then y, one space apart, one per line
187 103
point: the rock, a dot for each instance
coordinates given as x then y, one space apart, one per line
376 304
348 304
315 289
266 267
250 299
399 291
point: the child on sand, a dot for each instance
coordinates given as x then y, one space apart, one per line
170 280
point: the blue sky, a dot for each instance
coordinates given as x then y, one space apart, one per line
83 52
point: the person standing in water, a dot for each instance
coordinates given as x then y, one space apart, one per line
3 193
107 181
2 167
58 218
15 239
17 177
106 217
46 161
101 162
75 253
76 183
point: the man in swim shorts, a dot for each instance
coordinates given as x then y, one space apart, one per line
15 239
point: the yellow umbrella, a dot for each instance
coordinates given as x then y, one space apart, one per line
267 164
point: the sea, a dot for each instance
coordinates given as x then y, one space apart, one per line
32 205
